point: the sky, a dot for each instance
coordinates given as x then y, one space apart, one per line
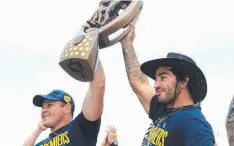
33 34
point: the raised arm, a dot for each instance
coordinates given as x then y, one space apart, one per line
93 103
30 141
230 123
137 80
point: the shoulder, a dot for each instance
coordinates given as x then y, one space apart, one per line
192 113
195 116
196 123
82 120
191 117
197 130
87 127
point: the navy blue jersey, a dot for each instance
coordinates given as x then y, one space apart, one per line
185 126
79 132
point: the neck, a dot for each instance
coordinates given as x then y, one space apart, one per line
183 99
60 124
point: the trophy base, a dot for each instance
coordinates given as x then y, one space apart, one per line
79 69
79 57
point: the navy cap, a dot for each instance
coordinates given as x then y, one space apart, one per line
57 95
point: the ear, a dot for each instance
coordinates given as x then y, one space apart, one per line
67 108
185 83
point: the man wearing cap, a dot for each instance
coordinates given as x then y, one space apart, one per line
173 104
57 114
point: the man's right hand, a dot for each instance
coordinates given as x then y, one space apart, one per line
41 127
30 141
128 40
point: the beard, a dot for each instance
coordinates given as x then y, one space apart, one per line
169 95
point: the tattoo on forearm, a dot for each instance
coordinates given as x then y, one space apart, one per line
132 64
230 123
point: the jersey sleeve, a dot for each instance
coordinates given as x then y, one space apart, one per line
199 132
88 128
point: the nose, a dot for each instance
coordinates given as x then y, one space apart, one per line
157 83
43 109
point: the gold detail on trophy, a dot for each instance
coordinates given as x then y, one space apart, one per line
88 36
71 53
91 38
71 42
75 48
65 50
70 49
83 54
80 44
86 44
77 53
81 48
84 40
87 48
66 54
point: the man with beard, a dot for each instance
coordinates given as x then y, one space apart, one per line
57 114
173 104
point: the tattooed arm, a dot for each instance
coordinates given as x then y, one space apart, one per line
230 123
137 80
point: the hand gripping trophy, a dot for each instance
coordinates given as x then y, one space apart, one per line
79 56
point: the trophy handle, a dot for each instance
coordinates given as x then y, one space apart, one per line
124 32
131 14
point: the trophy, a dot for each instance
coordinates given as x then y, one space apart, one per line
79 56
